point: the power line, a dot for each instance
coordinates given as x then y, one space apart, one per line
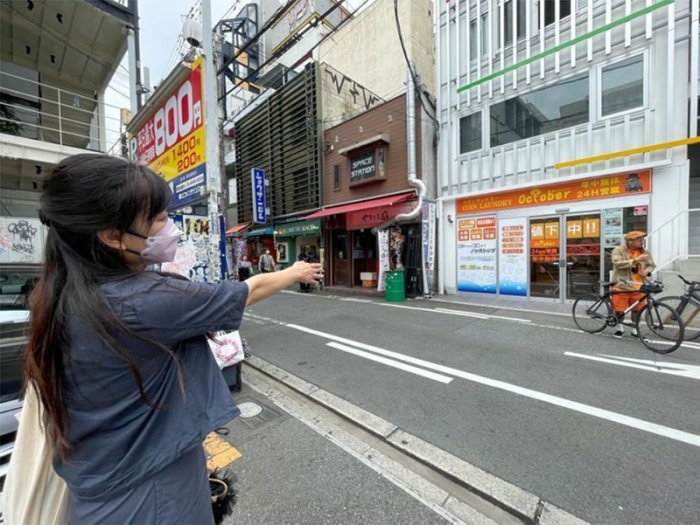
408 62
177 50
110 86
284 50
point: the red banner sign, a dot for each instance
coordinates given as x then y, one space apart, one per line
372 217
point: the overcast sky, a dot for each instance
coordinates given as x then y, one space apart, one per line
161 26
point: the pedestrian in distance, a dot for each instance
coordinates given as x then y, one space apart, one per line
305 256
244 268
632 265
267 263
118 354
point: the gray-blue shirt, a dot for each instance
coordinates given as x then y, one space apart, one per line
119 440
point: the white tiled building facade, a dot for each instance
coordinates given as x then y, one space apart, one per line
530 93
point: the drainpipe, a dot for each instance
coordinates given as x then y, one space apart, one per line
413 179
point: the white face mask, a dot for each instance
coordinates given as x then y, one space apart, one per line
162 246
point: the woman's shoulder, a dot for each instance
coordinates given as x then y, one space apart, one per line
138 283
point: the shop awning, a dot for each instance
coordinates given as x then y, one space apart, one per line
359 206
383 138
237 229
262 231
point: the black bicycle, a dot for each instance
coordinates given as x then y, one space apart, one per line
688 307
659 327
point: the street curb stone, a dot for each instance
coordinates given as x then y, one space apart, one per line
504 494
367 420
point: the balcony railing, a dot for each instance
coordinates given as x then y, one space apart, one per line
532 159
58 116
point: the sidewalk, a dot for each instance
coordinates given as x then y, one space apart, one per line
288 473
464 299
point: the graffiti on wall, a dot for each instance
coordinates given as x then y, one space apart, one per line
21 240
348 89
191 259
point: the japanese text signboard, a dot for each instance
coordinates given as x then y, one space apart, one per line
620 185
512 278
259 197
171 142
477 254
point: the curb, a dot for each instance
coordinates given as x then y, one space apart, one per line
446 299
505 495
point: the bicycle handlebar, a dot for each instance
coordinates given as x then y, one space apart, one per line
689 283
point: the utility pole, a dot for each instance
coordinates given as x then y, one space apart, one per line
211 122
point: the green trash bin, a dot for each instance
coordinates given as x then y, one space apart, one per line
395 287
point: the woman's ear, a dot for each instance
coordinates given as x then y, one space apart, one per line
112 239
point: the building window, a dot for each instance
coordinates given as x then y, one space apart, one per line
545 110
508 16
336 177
622 86
550 10
470 133
485 37
232 191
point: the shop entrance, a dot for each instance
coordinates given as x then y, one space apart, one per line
565 255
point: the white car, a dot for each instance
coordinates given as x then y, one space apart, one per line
15 285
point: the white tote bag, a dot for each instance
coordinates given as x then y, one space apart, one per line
227 348
34 494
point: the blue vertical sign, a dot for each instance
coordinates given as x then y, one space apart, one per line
259 199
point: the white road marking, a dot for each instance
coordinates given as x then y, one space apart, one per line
463 314
696 346
653 428
488 316
460 313
390 362
661 367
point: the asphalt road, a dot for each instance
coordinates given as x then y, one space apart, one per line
525 396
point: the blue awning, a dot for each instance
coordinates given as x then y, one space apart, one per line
262 231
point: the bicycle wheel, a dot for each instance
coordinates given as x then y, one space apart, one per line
590 313
689 314
660 328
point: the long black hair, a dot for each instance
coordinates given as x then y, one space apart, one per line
84 195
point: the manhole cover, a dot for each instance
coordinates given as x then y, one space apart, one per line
249 410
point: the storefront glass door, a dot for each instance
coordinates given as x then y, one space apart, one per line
545 244
565 256
583 259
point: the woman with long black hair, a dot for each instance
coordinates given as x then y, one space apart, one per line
118 354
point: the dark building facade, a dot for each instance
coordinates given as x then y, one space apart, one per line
283 137
365 185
